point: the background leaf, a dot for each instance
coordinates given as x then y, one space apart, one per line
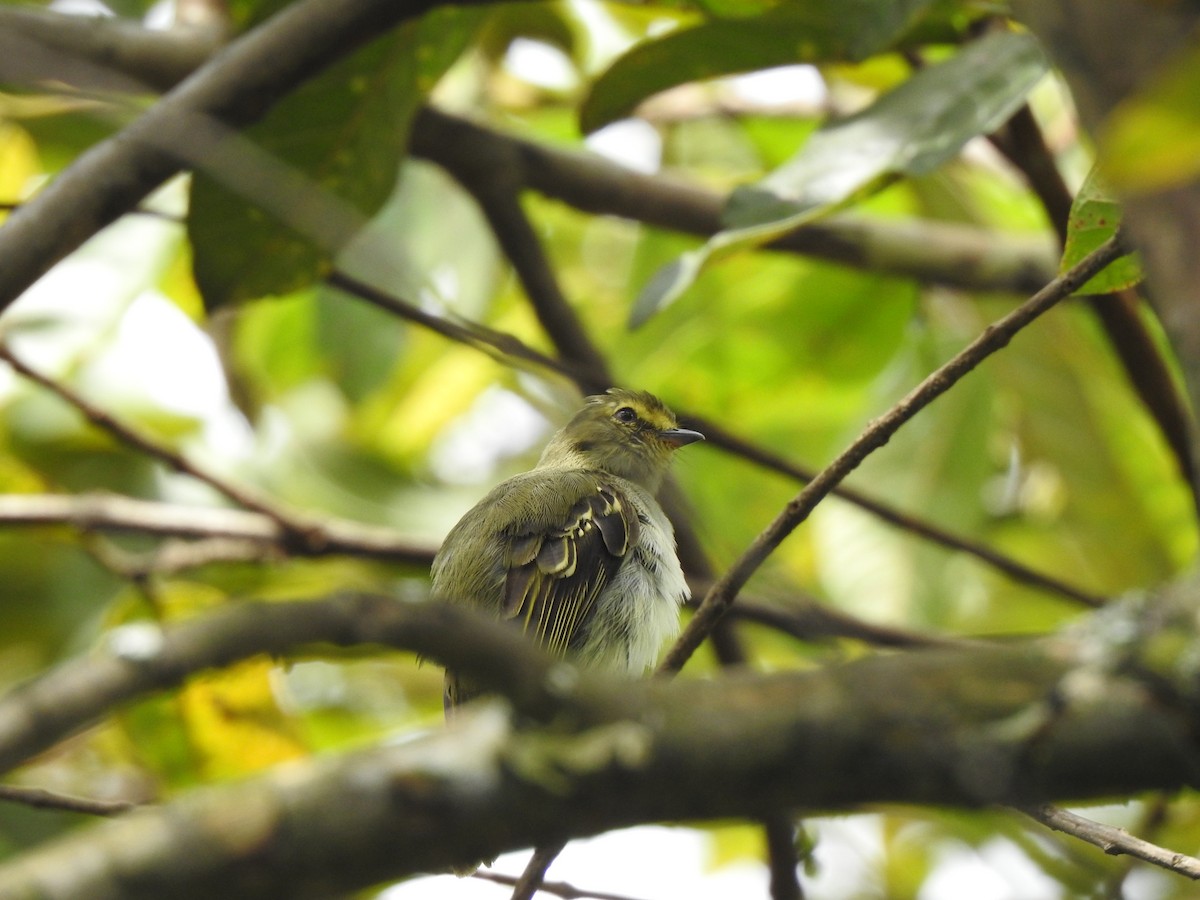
911 130
812 31
344 133
1151 141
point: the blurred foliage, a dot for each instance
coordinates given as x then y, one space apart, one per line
340 409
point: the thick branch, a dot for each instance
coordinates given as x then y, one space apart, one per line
962 727
141 658
235 87
100 54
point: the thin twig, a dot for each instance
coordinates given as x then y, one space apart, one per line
809 621
1155 812
295 528
40 798
878 433
1114 841
501 347
716 435
240 528
558 888
532 877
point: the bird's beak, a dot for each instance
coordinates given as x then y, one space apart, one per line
679 437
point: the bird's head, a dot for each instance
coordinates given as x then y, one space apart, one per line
628 433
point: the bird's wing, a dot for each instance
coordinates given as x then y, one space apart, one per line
556 572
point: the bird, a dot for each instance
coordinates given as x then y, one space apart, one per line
577 551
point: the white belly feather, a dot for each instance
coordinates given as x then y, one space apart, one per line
641 605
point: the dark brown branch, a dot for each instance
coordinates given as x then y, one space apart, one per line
811 621
532 877
40 798
939 253
495 179
878 433
718 436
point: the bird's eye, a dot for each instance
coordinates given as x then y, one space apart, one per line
625 414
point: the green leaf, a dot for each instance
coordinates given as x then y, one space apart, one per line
335 146
1095 217
1151 141
816 31
911 130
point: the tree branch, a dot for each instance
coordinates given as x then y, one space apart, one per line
976 726
558 888
933 252
1114 841
40 798
289 523
98 53
110 54
141 658
235 87
1119 313
878 433
245 534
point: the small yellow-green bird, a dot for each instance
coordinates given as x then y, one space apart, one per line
577 551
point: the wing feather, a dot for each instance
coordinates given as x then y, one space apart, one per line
554 575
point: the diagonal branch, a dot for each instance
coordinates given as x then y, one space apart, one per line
235 87
878 433
1114 841
40 798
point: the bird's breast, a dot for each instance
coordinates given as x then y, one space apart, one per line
639 610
